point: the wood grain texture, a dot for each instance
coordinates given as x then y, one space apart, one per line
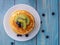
54 22
50 22
41 8
4 6
33 4
59 21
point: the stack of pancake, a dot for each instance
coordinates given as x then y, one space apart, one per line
22 22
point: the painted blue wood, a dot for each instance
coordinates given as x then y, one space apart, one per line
59 20
4 6
49 22
1 43
33 4
54 24
41 8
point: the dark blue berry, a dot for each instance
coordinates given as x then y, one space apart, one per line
43 31
41 22
43 14
47 36
26 35
19 35
53 13
18 23
12 43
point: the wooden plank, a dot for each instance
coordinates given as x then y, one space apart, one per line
49 22
54 22
41 8
59 19
4 6
1 43
31 3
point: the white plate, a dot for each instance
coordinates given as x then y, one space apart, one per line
8 29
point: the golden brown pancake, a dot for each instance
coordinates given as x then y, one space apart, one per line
20 30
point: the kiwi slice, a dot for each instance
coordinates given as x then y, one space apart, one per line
23 23
27 20
16 18
24 17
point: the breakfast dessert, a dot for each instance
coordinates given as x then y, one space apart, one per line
22 22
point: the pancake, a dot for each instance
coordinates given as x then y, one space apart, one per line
26 27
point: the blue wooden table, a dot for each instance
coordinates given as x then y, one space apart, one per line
48 11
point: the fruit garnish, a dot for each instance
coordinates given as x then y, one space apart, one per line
19 35
22 20
23 23
22 16
19 24
26 35
27 20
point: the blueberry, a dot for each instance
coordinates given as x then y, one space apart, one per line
43 31
18 23
43 14
19 35
26 35
53 13
12 43
41 22
47 36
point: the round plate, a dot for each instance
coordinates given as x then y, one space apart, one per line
9 30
